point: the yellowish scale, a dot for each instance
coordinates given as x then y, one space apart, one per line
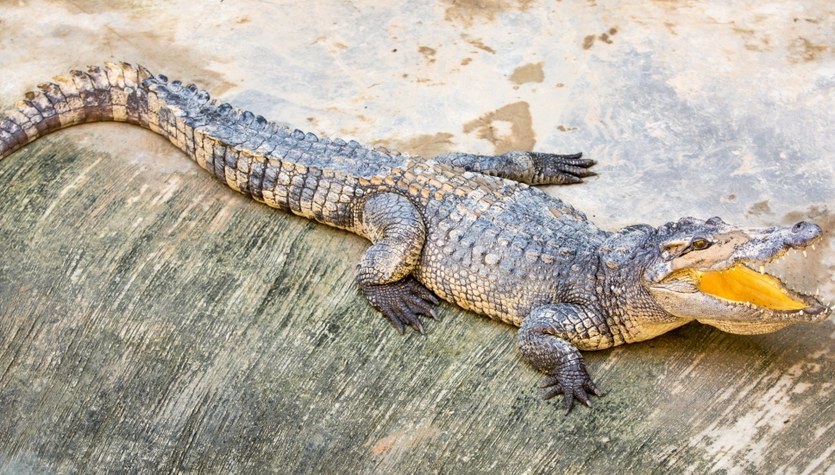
741 284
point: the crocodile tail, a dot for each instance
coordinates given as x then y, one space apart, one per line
114 92
287 169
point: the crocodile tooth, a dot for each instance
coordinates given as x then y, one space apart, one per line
804 253
813 247
762 269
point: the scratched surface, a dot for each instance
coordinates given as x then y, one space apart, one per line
152 320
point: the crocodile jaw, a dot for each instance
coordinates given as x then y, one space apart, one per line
737 300
721 287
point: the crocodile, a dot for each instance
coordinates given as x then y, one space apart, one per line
470 229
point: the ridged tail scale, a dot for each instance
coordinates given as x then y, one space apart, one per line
286 169
113 93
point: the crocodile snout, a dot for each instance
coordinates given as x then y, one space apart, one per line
803 233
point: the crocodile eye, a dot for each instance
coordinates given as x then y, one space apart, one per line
700 244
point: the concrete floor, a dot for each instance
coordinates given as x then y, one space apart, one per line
692 108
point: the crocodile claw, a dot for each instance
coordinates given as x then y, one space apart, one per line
573 382
553 169
402 303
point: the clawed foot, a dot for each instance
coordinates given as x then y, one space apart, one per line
573 382
402 302
553 169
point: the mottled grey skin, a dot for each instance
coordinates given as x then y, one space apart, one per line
468 228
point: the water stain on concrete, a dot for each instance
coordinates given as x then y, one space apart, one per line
605 37
752 40
424 145
478 43
428 53
531 72
492 127
98 6
468 12
166 52
801 50
673 5
759 208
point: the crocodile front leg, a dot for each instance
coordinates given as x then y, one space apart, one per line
547 340
396 229
533 168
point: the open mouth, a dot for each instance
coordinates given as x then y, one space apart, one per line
740 284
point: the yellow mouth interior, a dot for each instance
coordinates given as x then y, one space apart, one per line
741 284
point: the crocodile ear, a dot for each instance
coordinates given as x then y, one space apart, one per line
625 245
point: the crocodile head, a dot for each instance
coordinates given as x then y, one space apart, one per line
715 273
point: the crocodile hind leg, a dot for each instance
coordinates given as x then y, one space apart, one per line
396 229
547 340
533 168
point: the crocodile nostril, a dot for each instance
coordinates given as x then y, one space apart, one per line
805 232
